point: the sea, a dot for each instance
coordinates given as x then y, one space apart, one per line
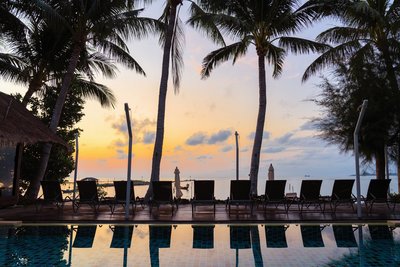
222 185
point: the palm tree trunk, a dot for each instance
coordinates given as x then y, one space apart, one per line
35 84
380 164
34 186
158 146
255 156
398 168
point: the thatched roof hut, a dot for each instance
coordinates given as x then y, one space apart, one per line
18 125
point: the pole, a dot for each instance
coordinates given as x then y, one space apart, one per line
387 162
237 155
357 159
76 166
128 183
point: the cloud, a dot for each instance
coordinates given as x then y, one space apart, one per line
178 148
121 154
219 137
149 137
196 139
120 126
266 135
244 150
273 150
204 157
284 139
120 143
202 138
226 149
308 126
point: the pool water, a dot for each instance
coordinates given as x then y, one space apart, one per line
200 245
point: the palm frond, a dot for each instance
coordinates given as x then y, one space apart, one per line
337 35
120 55
302 46
204 22
219 56
176 53
336 54
93 90
275 56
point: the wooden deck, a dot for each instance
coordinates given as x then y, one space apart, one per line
50 214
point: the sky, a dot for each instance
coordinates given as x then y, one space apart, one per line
202 118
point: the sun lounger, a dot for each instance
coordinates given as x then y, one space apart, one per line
122 236
162 194
344 236
276 236
84 237
203 194
52 194
203 236
240 195
381 233
160 237
377 193
311 235
275 194
120 196
341 194
89 195
310 195
239 237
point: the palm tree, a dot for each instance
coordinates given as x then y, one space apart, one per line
269 26
171 49
171 38
369 28
102 26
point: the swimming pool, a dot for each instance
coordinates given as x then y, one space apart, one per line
200 245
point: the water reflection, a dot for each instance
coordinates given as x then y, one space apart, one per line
200 245
33 245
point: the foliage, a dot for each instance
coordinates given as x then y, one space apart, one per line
340 100
61 162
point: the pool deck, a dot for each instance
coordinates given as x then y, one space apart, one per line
204 215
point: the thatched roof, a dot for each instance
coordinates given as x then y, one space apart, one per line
18 125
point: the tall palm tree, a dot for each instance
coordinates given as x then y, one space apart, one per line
370 28
269 26
99 25
171 39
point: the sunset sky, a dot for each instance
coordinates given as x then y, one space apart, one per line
201 120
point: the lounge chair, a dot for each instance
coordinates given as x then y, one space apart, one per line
203 236
240 194
84 237
120 196
239 237
52 194
122 236
381 233
88 195
203 194
276 236
341 194
162 194
160 237
311 235
275 194
377 193
344 236
310 195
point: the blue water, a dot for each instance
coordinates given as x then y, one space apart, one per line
205 245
